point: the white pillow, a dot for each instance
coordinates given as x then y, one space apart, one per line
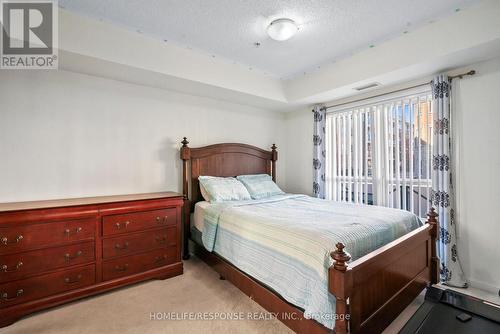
220 189
204 193
260 185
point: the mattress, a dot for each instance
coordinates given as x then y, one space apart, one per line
199 214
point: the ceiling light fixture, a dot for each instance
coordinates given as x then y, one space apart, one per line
282 29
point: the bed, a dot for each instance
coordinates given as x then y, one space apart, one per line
391 261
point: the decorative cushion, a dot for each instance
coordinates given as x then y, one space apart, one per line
260 185
220 189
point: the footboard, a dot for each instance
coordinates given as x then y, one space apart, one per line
374 289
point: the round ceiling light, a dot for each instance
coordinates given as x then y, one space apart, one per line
282 29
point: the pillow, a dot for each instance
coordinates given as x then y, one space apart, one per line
204 193
221 189
260 185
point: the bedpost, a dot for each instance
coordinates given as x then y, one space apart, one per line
274 157
185 156
432 220
340 285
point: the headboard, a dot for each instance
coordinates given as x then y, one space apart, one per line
228 159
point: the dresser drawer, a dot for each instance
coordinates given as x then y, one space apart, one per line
137 221
128 244
41 286
133 264
18 265
24 237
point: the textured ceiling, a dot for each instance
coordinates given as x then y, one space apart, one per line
329 29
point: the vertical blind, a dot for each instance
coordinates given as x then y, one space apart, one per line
379 152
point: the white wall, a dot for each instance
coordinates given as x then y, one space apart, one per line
478 153
477 112
65 134
299 153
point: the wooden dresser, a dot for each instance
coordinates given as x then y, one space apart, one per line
52 252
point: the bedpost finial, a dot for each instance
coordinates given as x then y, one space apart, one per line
185 150
340 257
274 157
432 216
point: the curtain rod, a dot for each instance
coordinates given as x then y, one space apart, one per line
459 76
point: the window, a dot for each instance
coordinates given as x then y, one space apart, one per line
379 151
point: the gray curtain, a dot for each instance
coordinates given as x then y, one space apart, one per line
442 196
319 151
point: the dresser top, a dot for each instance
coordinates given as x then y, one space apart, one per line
16 206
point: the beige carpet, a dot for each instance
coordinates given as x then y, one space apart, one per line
128 310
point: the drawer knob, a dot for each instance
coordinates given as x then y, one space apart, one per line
6 269
120 247
6 241
160 221
69 232
68 280
70 257
122 225
121 268
161 240
5 295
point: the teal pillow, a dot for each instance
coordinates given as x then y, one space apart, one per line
222 189
260 185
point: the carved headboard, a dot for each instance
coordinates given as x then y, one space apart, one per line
228 159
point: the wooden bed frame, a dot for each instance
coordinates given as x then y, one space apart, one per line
370 292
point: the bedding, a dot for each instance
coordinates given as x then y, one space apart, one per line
285 242
260 185
220 189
